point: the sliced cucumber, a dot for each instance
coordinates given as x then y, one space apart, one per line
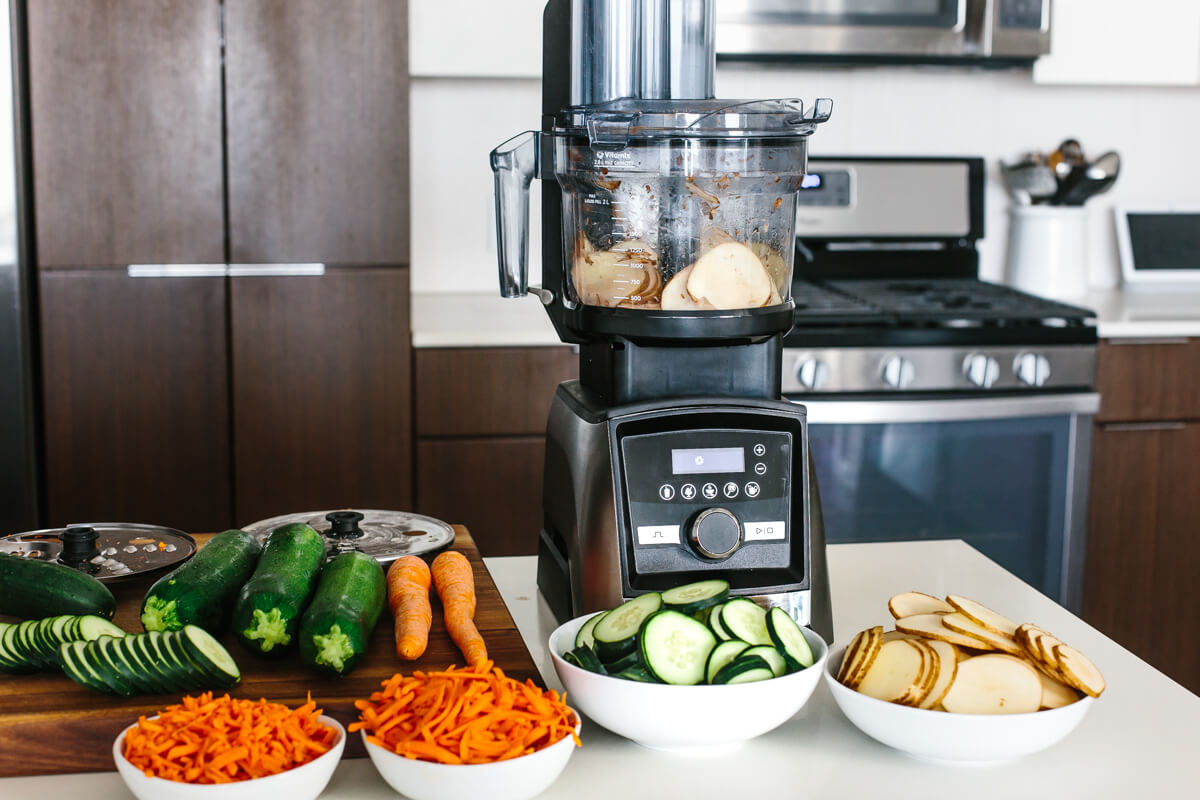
93 656
8 660
140 644
584 638
714 622
10 652
773 657
744 669
170 658
746 620
789 639
92 627
721 655
627 661
638 674
77 669
675 647
693 598
585 658
116 659
616 634
210 655
127 647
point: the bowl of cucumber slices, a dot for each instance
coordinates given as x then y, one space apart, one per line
688 669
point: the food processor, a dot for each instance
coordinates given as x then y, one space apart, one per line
667 244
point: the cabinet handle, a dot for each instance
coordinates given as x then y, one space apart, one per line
223 270
1149 340
1118 427
275 270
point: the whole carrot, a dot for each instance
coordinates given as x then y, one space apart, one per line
456 587
408 598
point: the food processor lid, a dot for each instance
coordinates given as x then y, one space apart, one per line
108 551
382 534
613 124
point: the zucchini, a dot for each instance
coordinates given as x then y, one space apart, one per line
336 627
150 663
675 647
721 655
744 669
746 620
638 674
773 657
202 590
616 634
585 658
40 589
694 598
584 637
35 644
789 639
714 622
269 605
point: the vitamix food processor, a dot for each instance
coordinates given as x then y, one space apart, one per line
667 243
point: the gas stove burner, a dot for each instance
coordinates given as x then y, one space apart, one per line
384 535
108 551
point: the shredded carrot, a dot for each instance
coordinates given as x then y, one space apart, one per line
222 740
455 583
464 715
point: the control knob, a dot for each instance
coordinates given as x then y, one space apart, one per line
981 370
715 534
812 373
1032 369
897 372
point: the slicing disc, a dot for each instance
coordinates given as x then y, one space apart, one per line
387 535
123 549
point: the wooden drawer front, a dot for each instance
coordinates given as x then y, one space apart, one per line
502 391
493 486
1150 380
1140 576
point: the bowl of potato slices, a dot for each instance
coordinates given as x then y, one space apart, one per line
956 681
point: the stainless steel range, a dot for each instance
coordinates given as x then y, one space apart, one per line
939 405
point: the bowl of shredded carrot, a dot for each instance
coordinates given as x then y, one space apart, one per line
467 732
230 749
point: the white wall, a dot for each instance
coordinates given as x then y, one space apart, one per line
877 111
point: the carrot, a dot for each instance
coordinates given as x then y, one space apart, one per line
408 597
456 587
202 740
464 715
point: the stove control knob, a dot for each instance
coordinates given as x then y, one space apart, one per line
715 534
981 370
1032 369
813 373
897 372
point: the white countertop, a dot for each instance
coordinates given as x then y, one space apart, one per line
1138 740
485 320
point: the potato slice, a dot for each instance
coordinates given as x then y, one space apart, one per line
930 668
930 626
982 615
610 277
995 683
895 673
891 636
1079 670
1054 693
860 655
910 604
997 641
712 237
730 276
947 668
675 295
772 262
852 652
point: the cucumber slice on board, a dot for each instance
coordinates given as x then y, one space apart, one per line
692 598
77 669
91 628
721 655
617 634
746 620
789 639
116 659
94 658
675 647
207 652
584 637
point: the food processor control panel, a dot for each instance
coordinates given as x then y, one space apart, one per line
709 500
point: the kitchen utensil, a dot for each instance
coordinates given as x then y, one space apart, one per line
109 551
685 718
384 535
667 256
1029 180
944 736
1095 178
1066 156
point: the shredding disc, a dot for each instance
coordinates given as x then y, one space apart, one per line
385 535
108 551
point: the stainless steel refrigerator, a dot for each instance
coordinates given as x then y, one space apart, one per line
19 462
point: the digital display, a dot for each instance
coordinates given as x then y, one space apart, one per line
713 459
811 180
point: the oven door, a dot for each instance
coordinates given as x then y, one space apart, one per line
1009 475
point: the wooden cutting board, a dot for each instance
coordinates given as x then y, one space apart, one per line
50 725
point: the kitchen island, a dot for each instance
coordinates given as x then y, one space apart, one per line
1138 740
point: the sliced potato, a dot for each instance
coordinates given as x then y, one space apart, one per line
712 236
889 636
675 295
852 652
982 615
895 673
930 668
730 276
860 655
1054 693
909 604
995 683
996 641
772 262
930 626
947 668
1079 670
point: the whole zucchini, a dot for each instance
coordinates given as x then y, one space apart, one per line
269 605
38 589
201 591
336 628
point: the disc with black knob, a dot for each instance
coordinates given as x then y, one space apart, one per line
383 535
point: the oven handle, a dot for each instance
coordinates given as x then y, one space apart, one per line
868 412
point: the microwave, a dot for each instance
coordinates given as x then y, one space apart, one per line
983 32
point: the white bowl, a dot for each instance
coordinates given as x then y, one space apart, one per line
685 718
515 779
962 738
305 782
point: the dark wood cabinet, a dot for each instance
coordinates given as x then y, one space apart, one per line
321 392
126 119
317 102
136 397
1142 551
